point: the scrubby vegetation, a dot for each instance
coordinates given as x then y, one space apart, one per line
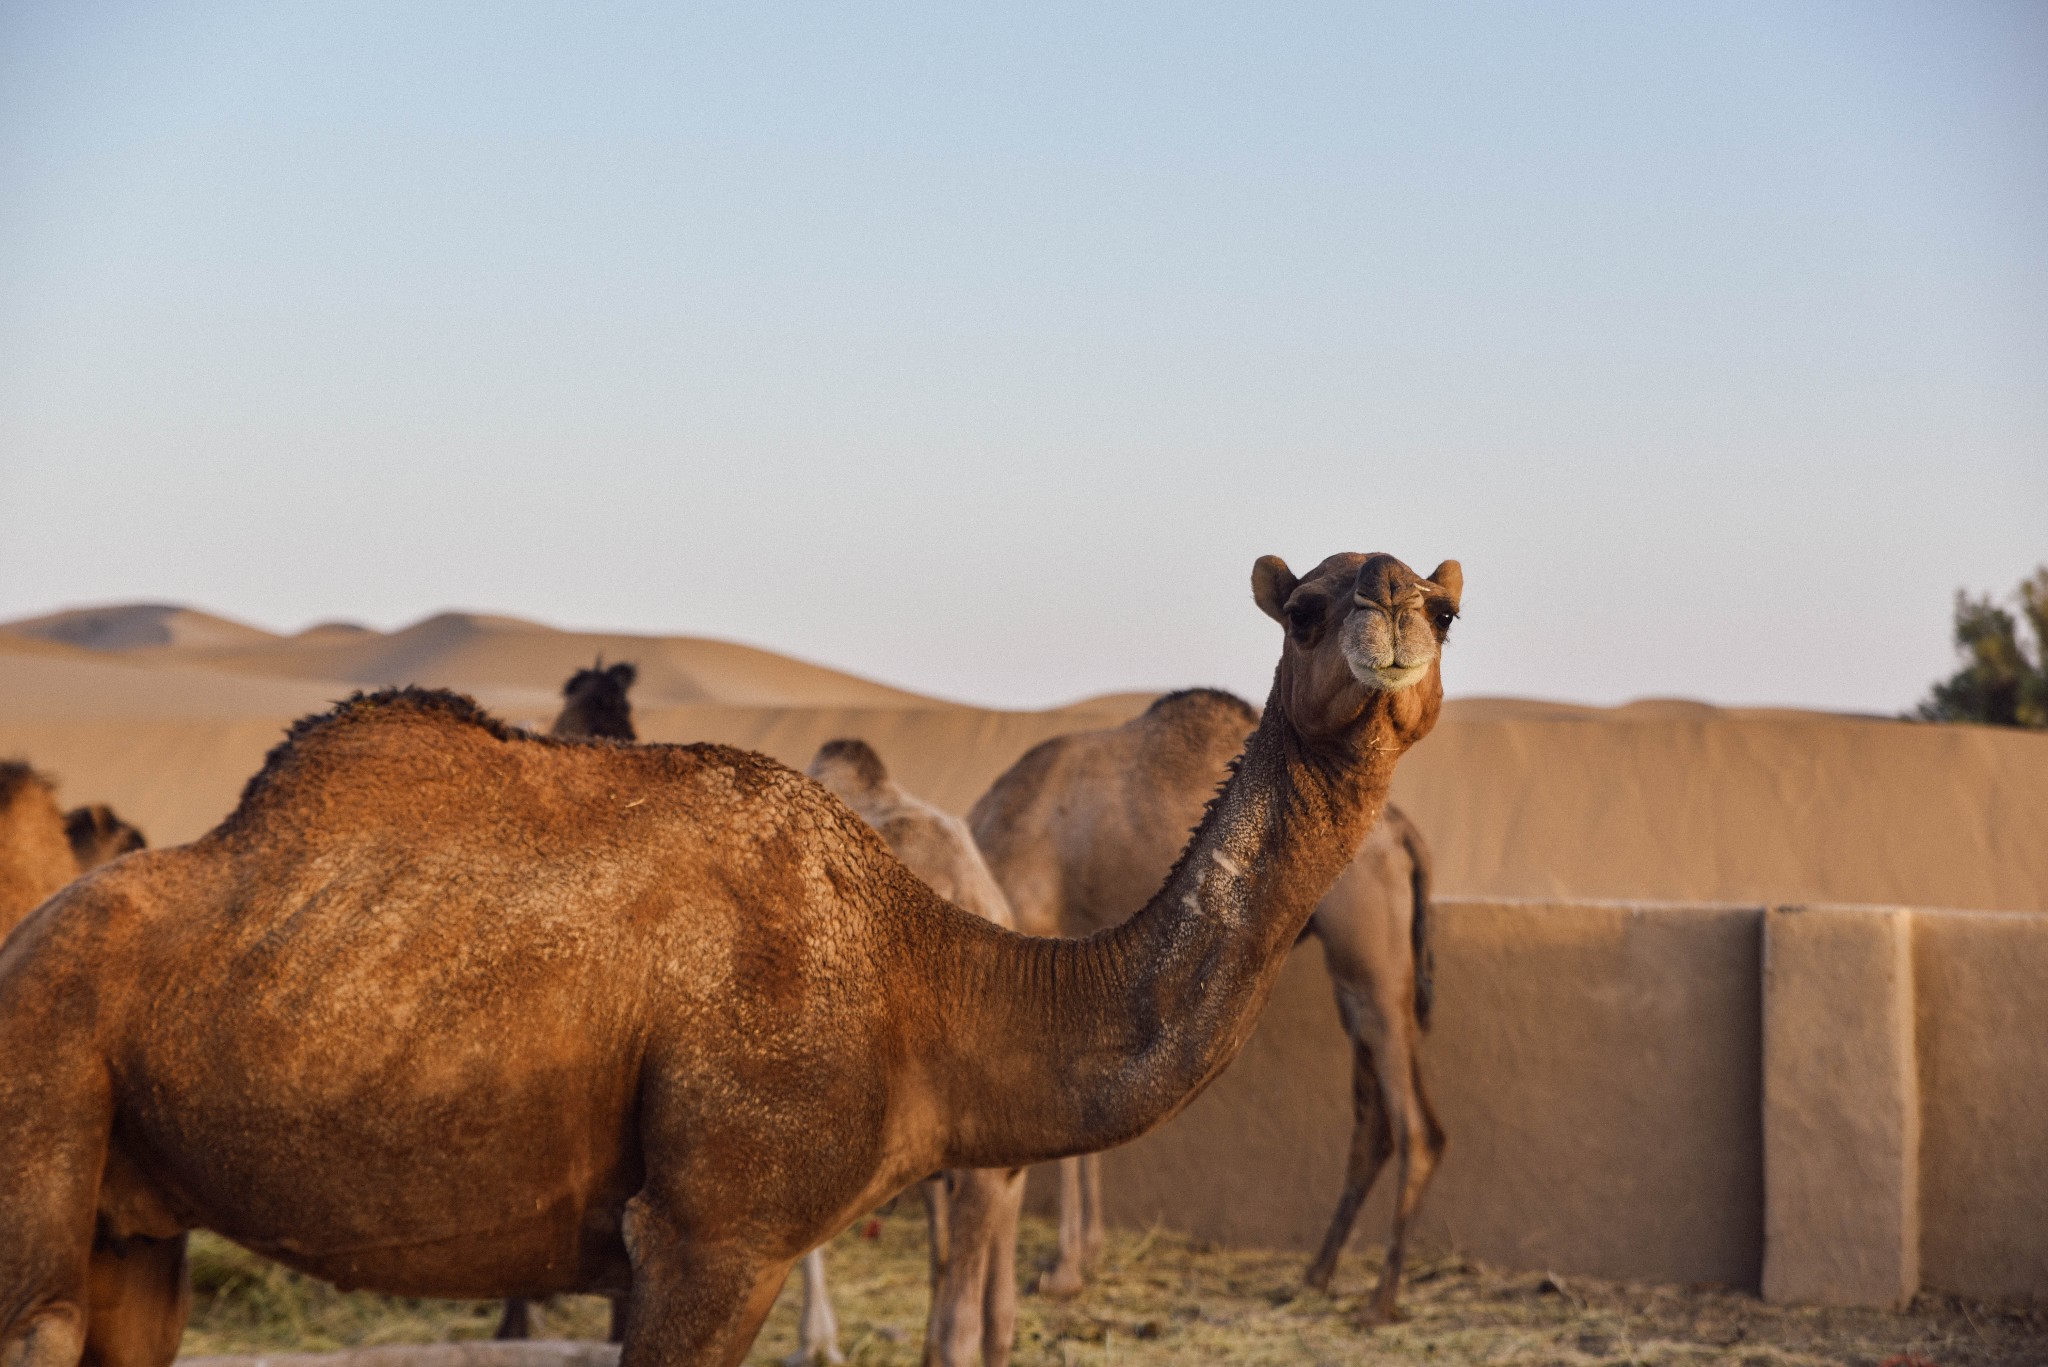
1163 1299
2000 681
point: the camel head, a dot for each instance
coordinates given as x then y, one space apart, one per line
848 767
1364 638
594 703
97 835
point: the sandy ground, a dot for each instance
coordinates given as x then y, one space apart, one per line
1163 1299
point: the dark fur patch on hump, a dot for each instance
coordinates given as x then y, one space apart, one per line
440 704
856 755
1204 699
17 777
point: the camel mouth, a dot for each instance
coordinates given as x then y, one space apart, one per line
1390 678
1376 663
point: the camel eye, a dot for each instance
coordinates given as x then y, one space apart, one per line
1305 618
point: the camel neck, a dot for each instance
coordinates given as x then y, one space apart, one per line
1066 1046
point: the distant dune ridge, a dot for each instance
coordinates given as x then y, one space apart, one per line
125 626
164 711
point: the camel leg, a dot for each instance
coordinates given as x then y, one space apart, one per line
617 1333
999 1301
974 1306
1093 1233
818 1332
952 1329
140 1296
1419 1144
1371 1141
516 1322
695 1303
1064 1279
938 1218
54 1125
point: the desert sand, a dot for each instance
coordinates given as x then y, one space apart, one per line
165 711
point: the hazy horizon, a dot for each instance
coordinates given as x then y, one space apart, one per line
981 353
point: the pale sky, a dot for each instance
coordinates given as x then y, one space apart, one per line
982 349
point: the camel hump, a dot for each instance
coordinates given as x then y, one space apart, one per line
1202 702
409 707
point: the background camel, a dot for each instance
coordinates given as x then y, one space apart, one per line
594 703
35 857
1080 831
971 1212
96 835
444 1009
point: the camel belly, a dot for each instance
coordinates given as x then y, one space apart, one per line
469 1161
525 1211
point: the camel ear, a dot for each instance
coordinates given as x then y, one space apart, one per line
1272 583
1450 577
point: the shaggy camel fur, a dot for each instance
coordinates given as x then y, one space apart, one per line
96 835
973 1315
35 857
594 703
448 1010
1079 832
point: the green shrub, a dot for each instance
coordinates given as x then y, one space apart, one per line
2000 682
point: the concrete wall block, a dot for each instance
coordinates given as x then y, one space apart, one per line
1841 1108
1982 981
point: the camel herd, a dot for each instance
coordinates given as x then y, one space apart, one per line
448 1009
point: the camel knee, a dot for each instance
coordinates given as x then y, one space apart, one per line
1422 1147
54 1336
693 1300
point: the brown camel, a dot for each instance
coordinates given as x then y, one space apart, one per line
35 857
444 1009
96 835
1080 830
973 1315
594 703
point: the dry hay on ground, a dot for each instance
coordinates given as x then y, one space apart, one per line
1164 1299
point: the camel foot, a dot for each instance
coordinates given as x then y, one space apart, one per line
1377 1316
1317 1278
1060 1282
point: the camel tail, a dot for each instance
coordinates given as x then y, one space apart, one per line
1418 925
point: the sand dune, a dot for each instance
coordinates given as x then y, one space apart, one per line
1664 798
127 625
474 651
